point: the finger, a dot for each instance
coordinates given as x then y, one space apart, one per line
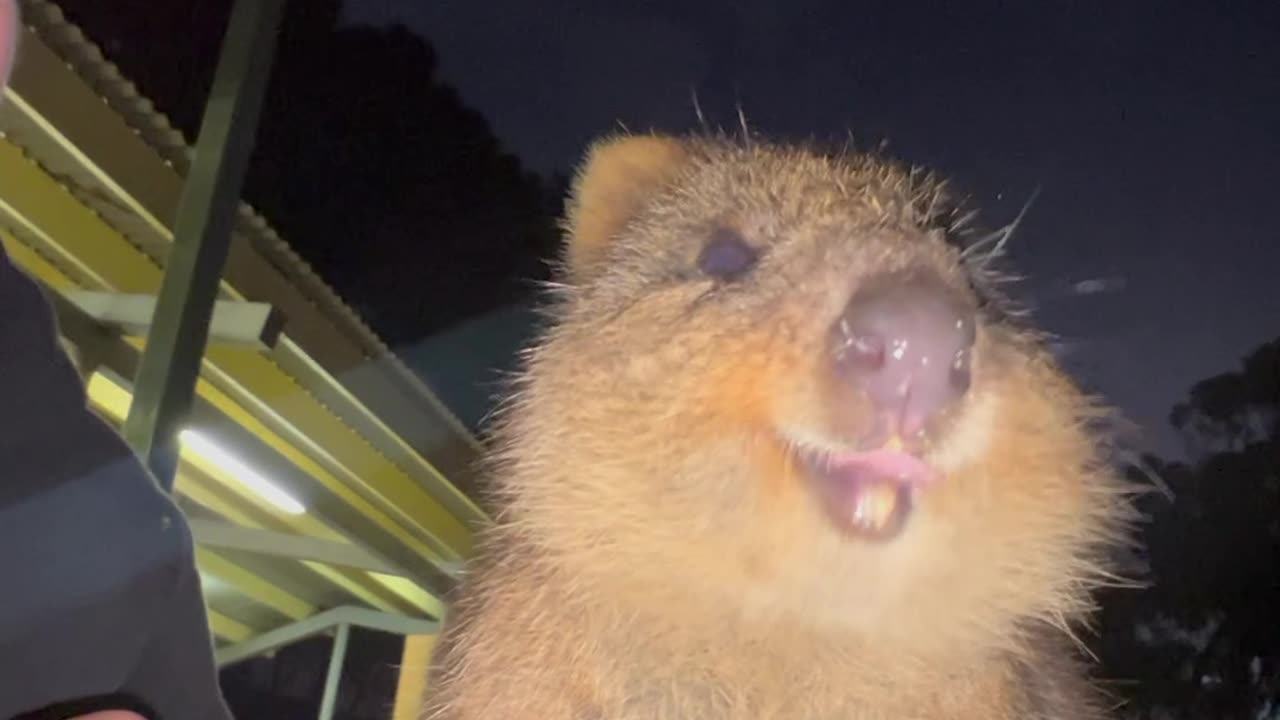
8 37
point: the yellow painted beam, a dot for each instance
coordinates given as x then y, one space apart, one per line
235 503
228 629
411 592
42 207
36 265
60 106
80 241
328 437
411 687
114 400
253 586
76 247
354 582
53 107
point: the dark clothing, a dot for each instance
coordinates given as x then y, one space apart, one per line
97 572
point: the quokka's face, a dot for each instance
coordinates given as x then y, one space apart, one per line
772 381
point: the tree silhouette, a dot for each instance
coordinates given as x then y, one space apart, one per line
367 162
1234 409
1203 641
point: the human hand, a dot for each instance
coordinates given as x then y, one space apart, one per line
8 37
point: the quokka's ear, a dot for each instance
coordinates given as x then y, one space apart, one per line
617 177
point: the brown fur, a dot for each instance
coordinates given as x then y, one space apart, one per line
659 555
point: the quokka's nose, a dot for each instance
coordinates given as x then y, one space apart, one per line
906 341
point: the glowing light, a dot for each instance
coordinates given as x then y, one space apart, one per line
244 474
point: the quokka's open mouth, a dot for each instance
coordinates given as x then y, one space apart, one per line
870 493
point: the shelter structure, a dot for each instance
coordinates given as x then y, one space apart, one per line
327 486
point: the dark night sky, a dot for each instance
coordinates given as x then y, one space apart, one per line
1152 127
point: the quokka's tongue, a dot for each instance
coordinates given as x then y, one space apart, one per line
871 493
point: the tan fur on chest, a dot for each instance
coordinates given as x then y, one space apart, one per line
554 658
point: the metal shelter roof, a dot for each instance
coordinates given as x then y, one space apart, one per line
318 472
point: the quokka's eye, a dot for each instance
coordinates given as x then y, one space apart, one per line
727 255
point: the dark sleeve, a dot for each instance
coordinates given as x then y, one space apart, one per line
101 594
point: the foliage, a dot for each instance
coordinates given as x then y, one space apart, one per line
1203 640
369 164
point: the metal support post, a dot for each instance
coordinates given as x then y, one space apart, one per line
165 383
231 322
415 666
332 679
316 624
